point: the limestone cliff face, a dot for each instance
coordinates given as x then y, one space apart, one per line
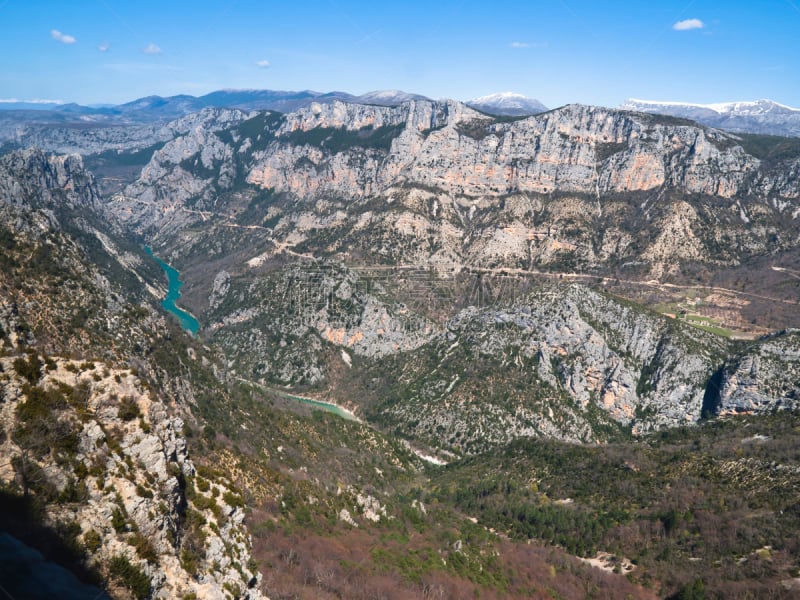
103 453
280 328
763 378
578 187
184 174
31 177
64 268
101 448
573 149
562 361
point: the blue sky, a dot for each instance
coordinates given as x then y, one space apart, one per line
93 51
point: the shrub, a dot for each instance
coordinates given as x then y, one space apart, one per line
92 540
30 369
189 561
144 547
128 410
33 478
39 429
131 576
233 500
118 520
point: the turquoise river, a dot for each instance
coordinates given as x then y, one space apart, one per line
188 322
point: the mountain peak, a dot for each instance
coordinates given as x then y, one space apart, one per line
507 104
388 97
500 96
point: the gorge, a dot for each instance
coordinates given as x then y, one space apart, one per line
584 320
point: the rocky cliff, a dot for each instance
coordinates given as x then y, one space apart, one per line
280 328
32 178
763 378
439 184
66 271
109 461
560 362
440 187
389 259
92 412
572 149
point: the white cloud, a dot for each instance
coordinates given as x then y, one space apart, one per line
264 64
104 47
151 49
688 24
62 37
528 44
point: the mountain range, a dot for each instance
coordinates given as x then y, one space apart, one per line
152 107
567 343
761 116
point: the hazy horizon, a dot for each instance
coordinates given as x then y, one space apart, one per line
111 52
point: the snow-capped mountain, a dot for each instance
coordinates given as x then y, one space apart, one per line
760 116
387 97
507 103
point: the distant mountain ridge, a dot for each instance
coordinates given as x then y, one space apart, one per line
155 108
760 116
152 108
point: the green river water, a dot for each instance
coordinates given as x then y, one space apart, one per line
187 320
190 324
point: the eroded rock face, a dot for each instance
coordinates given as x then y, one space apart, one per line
763 378
183 175
574 149
119 458
31 178
276 328
440 185
564 362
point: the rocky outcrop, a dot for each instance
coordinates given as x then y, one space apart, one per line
763 378
100 447
65 269
33 179
572 149
105 454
